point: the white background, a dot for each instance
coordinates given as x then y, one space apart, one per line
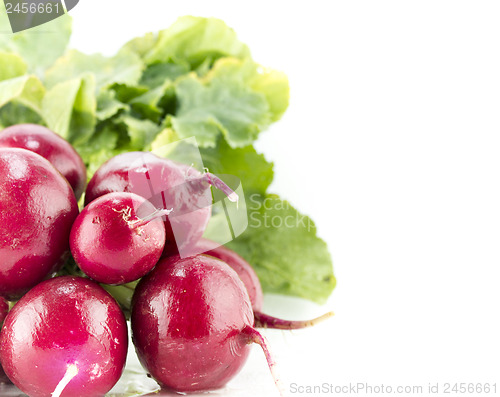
391 144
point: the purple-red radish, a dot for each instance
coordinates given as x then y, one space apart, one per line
51 146
166 184
244 270
37 209
65 337
192 324
247 274
118 238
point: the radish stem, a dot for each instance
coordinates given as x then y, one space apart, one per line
219 184
144 221
255 336
265 321
71 372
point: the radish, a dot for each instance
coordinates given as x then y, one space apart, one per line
192 324
65 337
168 185
37 209
247 274
118 238
48 144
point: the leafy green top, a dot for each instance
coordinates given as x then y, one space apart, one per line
193 79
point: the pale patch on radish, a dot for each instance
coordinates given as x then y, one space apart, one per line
71 372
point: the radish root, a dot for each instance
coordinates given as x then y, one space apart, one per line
265 321
71 372
255 336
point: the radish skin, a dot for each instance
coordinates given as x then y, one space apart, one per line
66 337
168 185
118 238
192 324
38 208
48 144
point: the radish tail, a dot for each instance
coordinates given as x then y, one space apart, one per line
255 336
219 184
265 321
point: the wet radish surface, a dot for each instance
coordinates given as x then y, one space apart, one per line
51 146
37 210
67 325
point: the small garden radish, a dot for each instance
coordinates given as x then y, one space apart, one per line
118 238
37 209
51 146
65 337
192 323
166 184
252 284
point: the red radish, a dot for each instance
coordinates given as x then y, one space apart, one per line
38 208
118 238
244 270
48 144
65 337
168 185
192 323
247 274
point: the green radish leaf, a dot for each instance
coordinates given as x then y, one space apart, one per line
255 173
193 40
125 68
27 90
108 106
39 46
156 74
141 132
141 45
282 246
99 148
69 109
207 111
11 65
271 83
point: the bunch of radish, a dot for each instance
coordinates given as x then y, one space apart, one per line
193 318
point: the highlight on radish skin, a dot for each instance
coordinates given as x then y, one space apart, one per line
192 324
70 373
37 210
